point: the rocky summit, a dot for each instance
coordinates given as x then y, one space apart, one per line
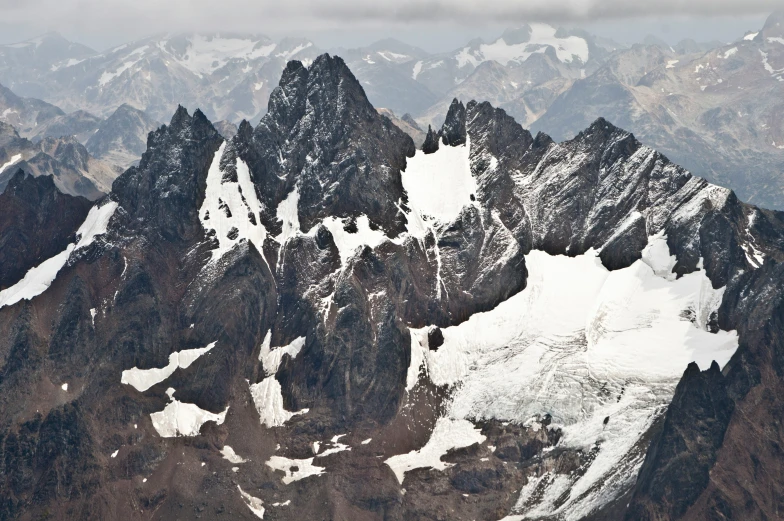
311 318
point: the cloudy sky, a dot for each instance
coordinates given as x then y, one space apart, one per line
436 25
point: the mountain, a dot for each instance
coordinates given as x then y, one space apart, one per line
122 138
26 66
226 129
407 124
384 69
229 75
64 159
715 112
551 79
26 114
80 124
37 119
521 70
316 320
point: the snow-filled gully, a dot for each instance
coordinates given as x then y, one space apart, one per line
39 278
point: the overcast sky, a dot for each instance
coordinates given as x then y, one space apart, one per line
435 25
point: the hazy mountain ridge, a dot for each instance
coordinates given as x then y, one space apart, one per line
550 79
64 159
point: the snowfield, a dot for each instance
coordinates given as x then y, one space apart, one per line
439 185
581 344
304 468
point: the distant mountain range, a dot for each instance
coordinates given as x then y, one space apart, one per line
714 107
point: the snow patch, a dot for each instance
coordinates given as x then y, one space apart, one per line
231 209
107 76
448 434
143 379
229 454
254 504
271 357
206 54
439 185
287 55
305 468
14 159
542 37
417 70
336 446
183 419
657 255
750 36
288 213
38 279
348 243
268 399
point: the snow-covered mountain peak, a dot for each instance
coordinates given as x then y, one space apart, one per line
203 54
517 45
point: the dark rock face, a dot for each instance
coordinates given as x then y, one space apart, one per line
678 463
166 183
54 452
321 131
734 471
454 130
435 339
37 222
431 141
